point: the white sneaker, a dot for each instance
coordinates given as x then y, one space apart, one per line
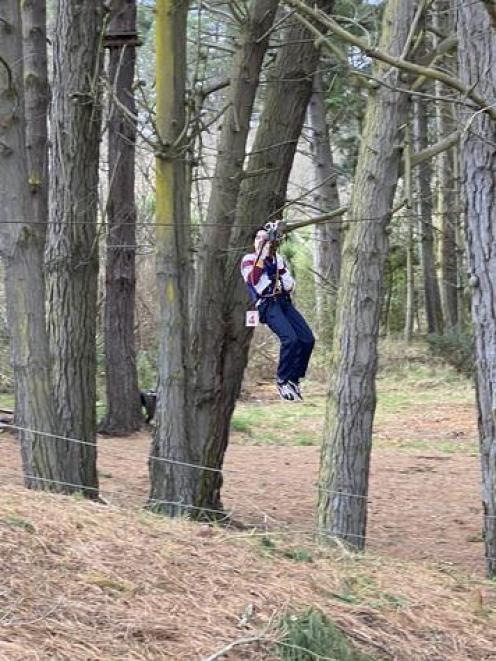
296 388
286 392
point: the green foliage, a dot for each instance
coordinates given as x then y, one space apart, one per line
302 266
279 423
395 276
147 370
20 522
240 424
267 542
312 636
299 554
5 368
456 349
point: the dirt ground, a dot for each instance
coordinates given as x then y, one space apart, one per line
424 504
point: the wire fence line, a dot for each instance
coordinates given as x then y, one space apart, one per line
267 523
259 528
98 446
110 452
151 502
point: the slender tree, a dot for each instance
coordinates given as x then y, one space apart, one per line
123 414
72 252
477 65
171 483
446 198
345 456
432 296
327 251
410 283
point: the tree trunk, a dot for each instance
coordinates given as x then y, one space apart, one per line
449 218
345 456
200 427
123 414
432 296
22 242
477 62
171 484
446 196
36 97
327 236
410 284
463 305
72 253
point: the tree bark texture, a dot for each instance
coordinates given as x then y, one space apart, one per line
477 64
172 486
36 98
345 455
123 414
327 236
22 246
432 296
72 251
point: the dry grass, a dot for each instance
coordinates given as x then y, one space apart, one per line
82 581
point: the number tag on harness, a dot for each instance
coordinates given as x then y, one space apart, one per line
252 318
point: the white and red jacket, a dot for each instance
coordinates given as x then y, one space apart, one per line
261 277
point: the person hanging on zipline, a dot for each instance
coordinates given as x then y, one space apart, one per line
270 285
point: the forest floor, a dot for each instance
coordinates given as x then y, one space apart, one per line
424 499
418 592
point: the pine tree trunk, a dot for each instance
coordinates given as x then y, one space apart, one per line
410 284
432 296
327 236
463 304
345 456
36 97
449 219
72 253
171 484
477 64
123 400
22 243
446 195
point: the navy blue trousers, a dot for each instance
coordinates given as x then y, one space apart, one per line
296 338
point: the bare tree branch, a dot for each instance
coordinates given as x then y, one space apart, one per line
371 51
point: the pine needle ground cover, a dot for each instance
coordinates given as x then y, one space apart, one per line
84 581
